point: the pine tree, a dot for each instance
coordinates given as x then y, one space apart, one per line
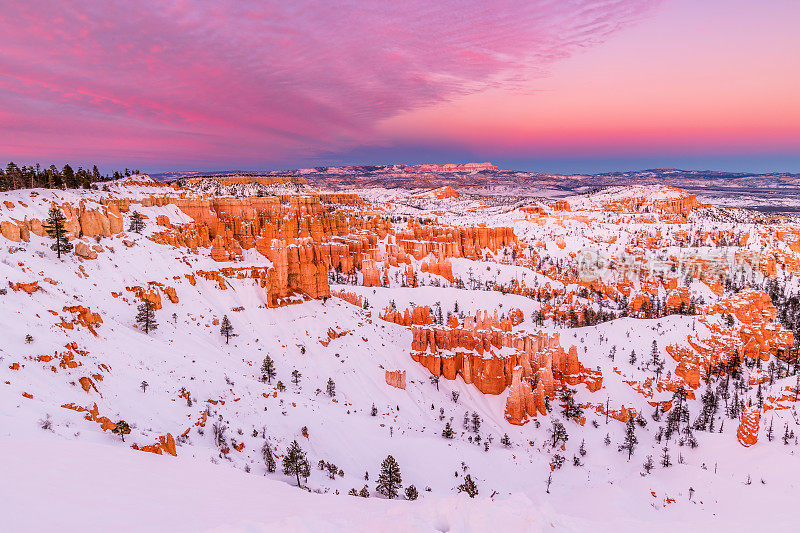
54 226
447 432
296 375
630 438
389 480
146 317
121 428
364 492
571 409
558 433
374 410
411 493
476 422
69 177
331 388
268 370
137 223
648 465
226 329
655 359
468 486
295 462
505 441
665 460
266 453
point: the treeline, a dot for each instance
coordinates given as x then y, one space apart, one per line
30 177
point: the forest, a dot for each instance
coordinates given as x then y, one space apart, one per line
30 177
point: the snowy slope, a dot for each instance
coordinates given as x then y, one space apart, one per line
72 461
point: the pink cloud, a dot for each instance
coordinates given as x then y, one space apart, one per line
226 82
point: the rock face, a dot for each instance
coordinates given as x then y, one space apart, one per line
80 222
82 250
748 427
755 334
487 354
440 267
29 288
165 444
10 231
85 317
301 238
396 379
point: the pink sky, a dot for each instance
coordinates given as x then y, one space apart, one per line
248 84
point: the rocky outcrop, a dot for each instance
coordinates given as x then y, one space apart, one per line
440 267
349 297
747 433
10 231
84 317
83 250
396 379
490 358
755 334
452 241
165 444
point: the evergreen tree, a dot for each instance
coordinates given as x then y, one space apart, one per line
226 329
374 410
629 444
476 422
468 486
411 493
655 360
571 409
665 460
295 462
364 492
268 370
137 223
121 428
331 388
296 375
54 226
269 460
447 432
505 441
558 433
648 465
69 177
679 413
389 480
146 317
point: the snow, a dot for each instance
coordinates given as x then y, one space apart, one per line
89 479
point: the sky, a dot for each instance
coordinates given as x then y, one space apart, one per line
548 85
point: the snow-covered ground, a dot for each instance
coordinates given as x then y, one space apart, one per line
61 471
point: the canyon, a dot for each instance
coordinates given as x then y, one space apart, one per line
640 306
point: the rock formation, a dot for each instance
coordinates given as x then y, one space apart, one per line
396 379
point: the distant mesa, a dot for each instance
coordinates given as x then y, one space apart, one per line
244 179
449 167
429 168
